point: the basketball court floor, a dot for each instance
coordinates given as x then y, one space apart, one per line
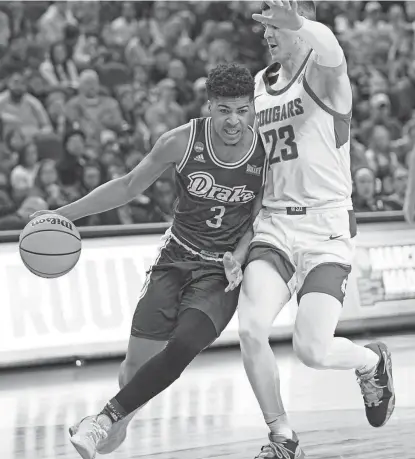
210 412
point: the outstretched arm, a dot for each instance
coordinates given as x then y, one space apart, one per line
283 14
168 150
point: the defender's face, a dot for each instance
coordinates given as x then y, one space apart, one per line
280 42
231 117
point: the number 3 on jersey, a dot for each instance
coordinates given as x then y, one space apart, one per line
216 220
285 133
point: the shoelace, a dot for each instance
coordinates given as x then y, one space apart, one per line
278 449
372 392
96 433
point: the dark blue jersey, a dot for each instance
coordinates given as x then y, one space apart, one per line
215 199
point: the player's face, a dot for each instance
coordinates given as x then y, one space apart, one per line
281 43
231 117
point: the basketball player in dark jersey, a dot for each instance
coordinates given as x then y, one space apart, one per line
186 301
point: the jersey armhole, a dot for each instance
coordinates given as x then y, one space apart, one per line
180 166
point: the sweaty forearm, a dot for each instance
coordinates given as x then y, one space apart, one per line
324 43
106 197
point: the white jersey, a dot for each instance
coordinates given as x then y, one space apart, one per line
307 145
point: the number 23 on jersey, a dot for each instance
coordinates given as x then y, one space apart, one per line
289 151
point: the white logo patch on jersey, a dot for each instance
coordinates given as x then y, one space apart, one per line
254 170
203 185
200 158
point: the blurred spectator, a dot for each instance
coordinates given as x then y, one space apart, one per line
20 218
28 164
123 28
70 167
177 72
55 106
403 95
91 110
7 205
52 23
86 50
194 109
161 63
47 185
365 198
58 69
396 200
380 114
166 111
26 110
163 197
381 159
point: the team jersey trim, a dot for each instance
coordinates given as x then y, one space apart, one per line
322 105
189 146
216 160
277 92
190 250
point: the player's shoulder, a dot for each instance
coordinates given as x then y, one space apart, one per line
259 75
174 142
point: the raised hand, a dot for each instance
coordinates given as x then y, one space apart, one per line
281 14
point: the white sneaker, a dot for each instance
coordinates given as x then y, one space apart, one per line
116 436
88 434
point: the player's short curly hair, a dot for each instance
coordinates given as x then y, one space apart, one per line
230 80
306 8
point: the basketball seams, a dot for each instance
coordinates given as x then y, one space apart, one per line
50 254
45 275
54 230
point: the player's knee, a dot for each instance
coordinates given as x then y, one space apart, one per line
311 353
181 350
253 334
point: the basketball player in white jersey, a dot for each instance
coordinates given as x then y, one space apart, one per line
304 234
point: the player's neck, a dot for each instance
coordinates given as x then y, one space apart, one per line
291 65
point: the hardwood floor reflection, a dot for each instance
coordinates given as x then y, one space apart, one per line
210 412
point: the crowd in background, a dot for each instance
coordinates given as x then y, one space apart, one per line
86 88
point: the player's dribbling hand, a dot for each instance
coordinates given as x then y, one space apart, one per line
233 271
282 14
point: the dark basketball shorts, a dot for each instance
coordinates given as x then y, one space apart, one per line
180 280
312 252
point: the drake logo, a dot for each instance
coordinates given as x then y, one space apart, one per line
203 185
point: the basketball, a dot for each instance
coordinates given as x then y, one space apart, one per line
50 246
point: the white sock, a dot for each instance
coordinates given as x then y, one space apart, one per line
280 426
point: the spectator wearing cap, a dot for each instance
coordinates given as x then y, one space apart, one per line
58 69
28 163
52 23
200 98
28 112
91 110
166 111
380 115
365 198
20 218
124 27
178 73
